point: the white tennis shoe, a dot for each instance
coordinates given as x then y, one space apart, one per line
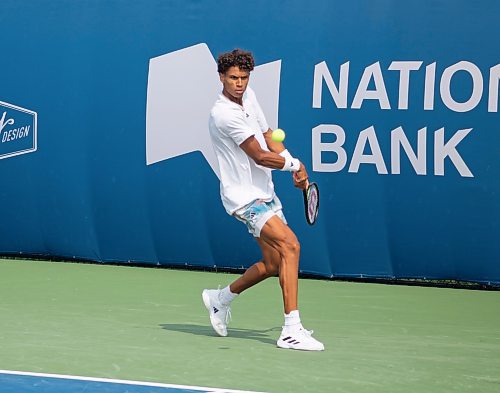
219 314
300 339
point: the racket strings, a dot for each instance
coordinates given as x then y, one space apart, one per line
312 204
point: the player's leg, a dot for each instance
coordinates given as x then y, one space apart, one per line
218 301
276 234
268 267
281 252
279 257
282 239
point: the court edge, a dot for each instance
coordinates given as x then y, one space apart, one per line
122 381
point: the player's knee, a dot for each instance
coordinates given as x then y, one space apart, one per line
291 246
294 246
271 266
272 270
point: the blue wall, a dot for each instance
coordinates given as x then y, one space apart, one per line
82 188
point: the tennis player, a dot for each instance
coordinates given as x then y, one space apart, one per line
246 154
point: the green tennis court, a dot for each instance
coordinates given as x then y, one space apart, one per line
149 324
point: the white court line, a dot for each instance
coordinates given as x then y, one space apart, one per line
124 382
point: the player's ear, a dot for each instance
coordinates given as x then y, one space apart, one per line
221 76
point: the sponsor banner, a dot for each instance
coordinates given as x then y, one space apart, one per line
17 130
392 106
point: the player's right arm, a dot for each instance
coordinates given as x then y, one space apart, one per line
262 157
273 160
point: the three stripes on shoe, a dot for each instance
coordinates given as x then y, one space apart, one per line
290 340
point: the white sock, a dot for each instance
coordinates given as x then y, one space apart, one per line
292 320
226 296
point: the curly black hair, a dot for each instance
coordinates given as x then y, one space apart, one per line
235 58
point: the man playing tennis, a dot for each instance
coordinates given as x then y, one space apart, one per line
246 154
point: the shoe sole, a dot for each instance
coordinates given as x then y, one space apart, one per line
206 302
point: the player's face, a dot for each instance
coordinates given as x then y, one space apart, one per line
234 82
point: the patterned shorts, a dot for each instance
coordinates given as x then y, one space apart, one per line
256 214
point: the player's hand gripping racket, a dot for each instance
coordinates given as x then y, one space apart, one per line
311 202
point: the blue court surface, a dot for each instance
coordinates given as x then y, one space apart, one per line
24 382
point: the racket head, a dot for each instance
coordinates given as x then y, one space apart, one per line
311 202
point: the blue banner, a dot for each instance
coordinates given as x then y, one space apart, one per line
392 106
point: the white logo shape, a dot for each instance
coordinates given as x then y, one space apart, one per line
182 88
18 130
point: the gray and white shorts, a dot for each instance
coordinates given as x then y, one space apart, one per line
256 214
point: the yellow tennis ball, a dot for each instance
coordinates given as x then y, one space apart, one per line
278 135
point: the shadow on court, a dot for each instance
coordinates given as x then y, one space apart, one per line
203 330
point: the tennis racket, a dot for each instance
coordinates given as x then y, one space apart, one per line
311 202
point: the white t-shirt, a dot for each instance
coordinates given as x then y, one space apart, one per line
242 180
